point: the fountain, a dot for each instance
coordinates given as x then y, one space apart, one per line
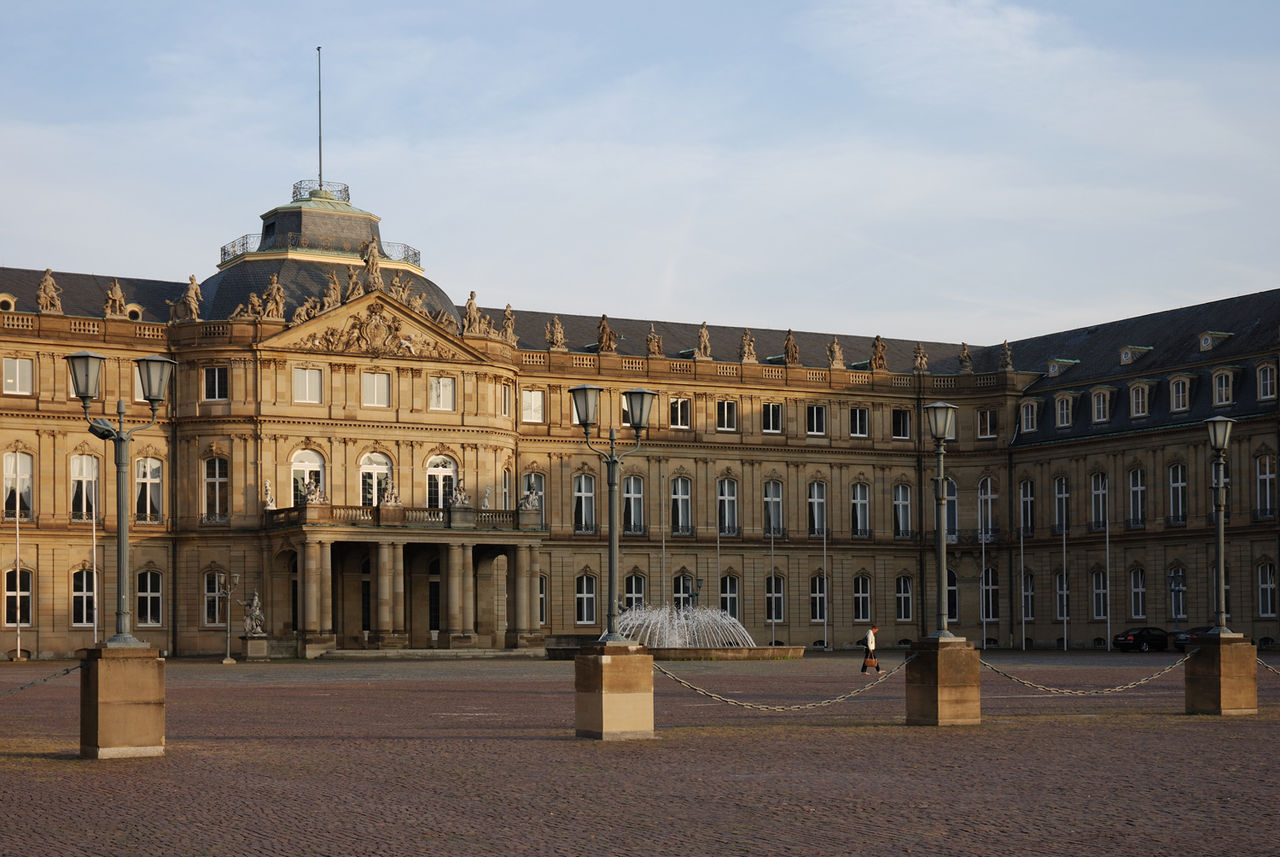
696 633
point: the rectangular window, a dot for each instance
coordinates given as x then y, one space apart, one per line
862 598
727 507
726 415
633 598
771 418
858 422
987 422
1061 505
1029 421
584 503
729 595
215 600
989 592
681 524
306 386
1100 595
1178 395
679 413
1138 401
542 599
902 511
1266 382
1027 507
1098 490
816 420
18 470
1064 597
1028 597
215 383
1137 497
1138 594
903 603
1267 590
215 490
1101 407
774 598
149 493
817 508
1222 388
17 376
1266 500
440 394
84 487
773 508
901 424
860 505
17 597
1177 495
1064 412
633 505
506 401
531 406
585 600
149 598
818 598
375 389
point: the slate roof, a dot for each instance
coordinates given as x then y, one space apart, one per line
83 294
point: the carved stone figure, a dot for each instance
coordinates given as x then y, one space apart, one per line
187 308
311 492
306 311
509 326
878 361
653 342
484 501
417 303
1006 357
354 287
332 294
704 343
390 496
254 620
966 359
530 501
48 294
790 351
470 316
113 306
555 334
460 496
835 354
606 339
273 300
920 359
269 499
747 347
372 270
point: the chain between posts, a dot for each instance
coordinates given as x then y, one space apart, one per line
755 706
58 674
1099 692
1268 666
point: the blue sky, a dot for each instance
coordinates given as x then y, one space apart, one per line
920 169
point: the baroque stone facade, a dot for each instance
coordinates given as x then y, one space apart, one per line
432 490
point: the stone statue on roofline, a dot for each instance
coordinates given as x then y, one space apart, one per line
186 308
1006 357
790 351
704 344
920 359
653 342
470 316
747 347
555 335
48 295
332 294
354 288
273 300
835 354
113 306
878 361
372 270
509 326
606 339
965 358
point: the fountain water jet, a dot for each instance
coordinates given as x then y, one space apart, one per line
696 633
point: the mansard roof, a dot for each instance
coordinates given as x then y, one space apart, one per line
83 295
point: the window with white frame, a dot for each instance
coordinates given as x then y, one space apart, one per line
17 376
1138 593
149 490
726 415
729 595
1178 594
1222 388
84 487
585 600
989 592
1030 416
1265 501
1063 404
18 469
215 383
1267 590
987 422
681 491
951 494
504 400
506 488
771 418
859 422
306 386
1178 394
584 503
542 599
987 497
149 603
817 508
679 412
442 476
1101 406
375 389
902 601
1177 494
901 427
1138 400
682 591
1137 497
862 598
306 469
440 393
633 505
216 496
1028 596
83 598
727 506
1266 381
1064 596
1098 501
1100 594
532 406
215 602
774 598
953 596
815 419
633 592
901 511
17 597
1061 504
818 598
375 472
773 508
860 510
1027 506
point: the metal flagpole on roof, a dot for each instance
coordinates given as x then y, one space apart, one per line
319 120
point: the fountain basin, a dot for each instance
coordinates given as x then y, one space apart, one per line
727 653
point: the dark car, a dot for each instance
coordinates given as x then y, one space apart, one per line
1189 637
1142 639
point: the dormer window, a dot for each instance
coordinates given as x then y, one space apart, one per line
8 303
1062 407
1266 381
1179 394
1101 405
1130 353
1138 400
1211 339
1030 415
1058 365
1222 387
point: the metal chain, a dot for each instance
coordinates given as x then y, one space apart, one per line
1101 691
755 706
1268 666
39 680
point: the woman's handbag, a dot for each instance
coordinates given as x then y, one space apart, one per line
871 661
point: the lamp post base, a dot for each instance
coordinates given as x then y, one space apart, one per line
121 703
943 683
613 692
1222 677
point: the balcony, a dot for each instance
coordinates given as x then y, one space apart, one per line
411 517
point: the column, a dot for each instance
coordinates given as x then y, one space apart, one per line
326 588
384 588
535 574
310 573
522 590
453 600
397 587
468 590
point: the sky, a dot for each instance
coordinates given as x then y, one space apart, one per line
938 170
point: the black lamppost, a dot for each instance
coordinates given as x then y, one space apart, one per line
586 400
942 421
154 371
1219 437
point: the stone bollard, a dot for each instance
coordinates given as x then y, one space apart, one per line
1222 678
121 703
943 683
613 692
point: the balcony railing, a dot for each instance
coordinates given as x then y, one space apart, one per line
420 517
860 534
681 529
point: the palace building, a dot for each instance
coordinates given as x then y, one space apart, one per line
386 468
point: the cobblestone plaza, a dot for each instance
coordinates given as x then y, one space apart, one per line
477 757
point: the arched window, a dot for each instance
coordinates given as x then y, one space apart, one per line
990 593
1138 593
817 598
17 597
584 503
729 595
902 587
633 597
149 599
149 505
633 505
774 598
442 476
216 496
585 600
84 487
83 597
17 486
862 598
860 510
681 523
682 591
953 597
306 468
375 471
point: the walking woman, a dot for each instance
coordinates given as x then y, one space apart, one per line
870 659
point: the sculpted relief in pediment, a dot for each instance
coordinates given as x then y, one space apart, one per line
375 331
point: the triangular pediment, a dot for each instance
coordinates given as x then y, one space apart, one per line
374 325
